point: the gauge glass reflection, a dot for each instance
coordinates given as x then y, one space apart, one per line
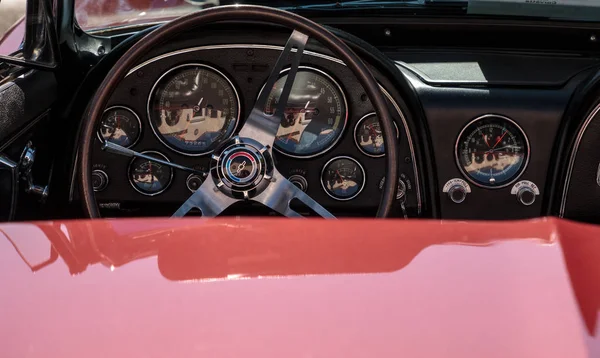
369 137
492 151
120 125
314 117
192 108
149 177
343 178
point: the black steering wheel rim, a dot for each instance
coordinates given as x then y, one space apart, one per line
235 13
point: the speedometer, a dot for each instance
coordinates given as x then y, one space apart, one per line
492 151
314 117
192 108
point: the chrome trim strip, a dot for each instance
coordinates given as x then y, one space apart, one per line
586 123
309 53
462 171
410 146
160 137
223 47
352 160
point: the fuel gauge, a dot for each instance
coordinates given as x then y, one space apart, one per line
120 125
369 137
343 178
149 177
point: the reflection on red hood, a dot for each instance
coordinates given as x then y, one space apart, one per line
299 288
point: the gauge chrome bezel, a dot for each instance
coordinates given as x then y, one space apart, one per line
361 169
340 89
127 109
133 184
151 96
457 156
362 119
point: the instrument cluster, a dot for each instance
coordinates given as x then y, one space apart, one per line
194 105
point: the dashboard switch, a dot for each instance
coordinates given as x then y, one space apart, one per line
525 191
193 182
299 181
457 190
99 180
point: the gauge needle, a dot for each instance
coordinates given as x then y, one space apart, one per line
485 139
307 103
499 139
199 102
339 175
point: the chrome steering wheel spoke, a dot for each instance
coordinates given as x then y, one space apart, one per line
208 199
281 192
259 125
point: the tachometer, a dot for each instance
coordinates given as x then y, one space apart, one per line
343 178
492 151
315 115
192 108
120 125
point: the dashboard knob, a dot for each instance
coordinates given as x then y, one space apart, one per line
401 191
299 181
99 180
526 196
525 191
193 182
457 194
457 190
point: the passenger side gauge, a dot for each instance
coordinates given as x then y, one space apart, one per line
368 136
343 178
492 151
120 125
148 177
192 108
315 116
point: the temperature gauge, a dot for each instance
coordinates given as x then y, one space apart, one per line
343 178
368 136
149 177
120 125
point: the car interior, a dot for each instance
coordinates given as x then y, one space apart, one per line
424 109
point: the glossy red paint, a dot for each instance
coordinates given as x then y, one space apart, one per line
300 288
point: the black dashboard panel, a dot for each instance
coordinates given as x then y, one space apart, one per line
441 90
247 65
449 109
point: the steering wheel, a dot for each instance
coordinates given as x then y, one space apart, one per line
255 176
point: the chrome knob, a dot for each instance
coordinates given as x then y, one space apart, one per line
457 194
526 196
299 181
457 190
99 180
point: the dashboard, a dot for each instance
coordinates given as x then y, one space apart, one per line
481 134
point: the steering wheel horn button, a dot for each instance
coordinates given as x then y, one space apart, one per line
242 170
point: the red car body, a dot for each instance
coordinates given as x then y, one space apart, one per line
299 288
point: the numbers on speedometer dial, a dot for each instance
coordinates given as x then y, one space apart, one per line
314 117
192 108
492 151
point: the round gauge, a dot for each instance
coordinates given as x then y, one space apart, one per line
343 178
368 136
314 117
149 177
492 151
120 125
192 108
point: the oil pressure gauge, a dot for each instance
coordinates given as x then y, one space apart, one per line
343 178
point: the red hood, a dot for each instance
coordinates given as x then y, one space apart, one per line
300 288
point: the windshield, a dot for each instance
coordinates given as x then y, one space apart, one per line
101 14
